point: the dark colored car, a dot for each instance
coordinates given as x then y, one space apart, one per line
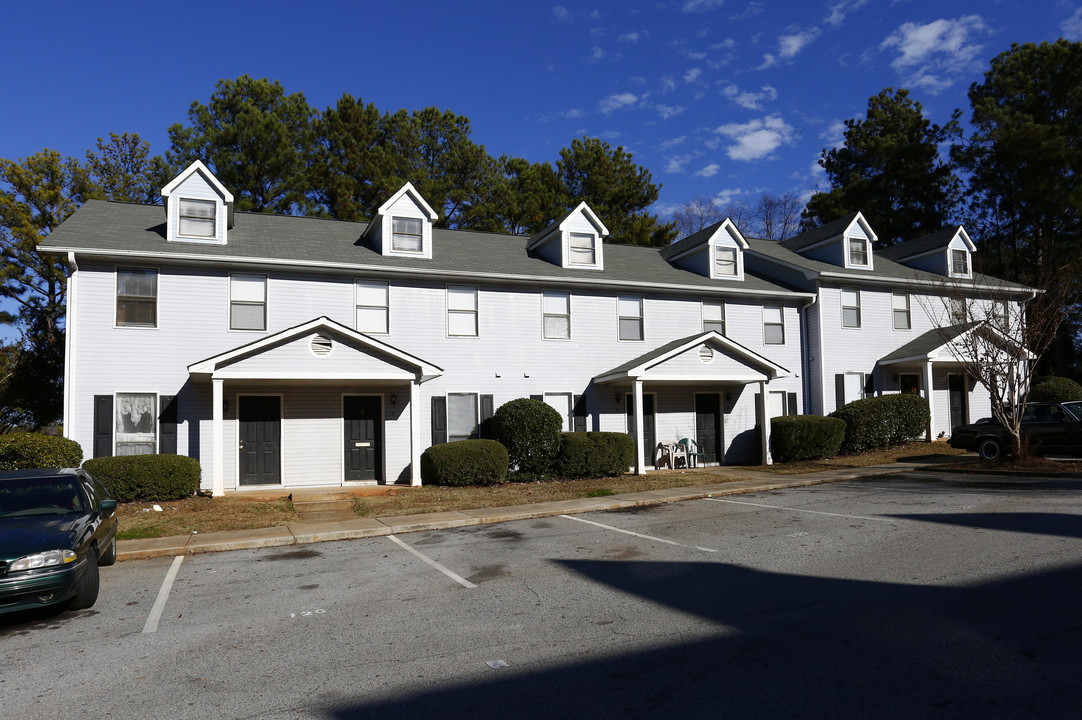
1050 428
56 527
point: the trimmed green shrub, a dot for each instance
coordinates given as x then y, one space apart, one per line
465 462
805 437
146 478
23 451
594 454
530 430
1055 389
882 421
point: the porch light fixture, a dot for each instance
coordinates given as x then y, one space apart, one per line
618 394
394 399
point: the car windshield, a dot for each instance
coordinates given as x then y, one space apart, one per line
40 496
1075 408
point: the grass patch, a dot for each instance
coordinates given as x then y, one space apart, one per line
600 492
202 515
909 451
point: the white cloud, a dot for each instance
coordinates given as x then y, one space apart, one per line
834 135
561 13
758 138
673 142
709 171
572 114
934 54
596 53
692 75
698 6
1072 26
789 46
751 10
676 164
629 37
839 10
750 100
696 56
667 84
728 196
726 44
668 111
616 101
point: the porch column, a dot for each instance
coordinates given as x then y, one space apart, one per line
640 461
767 459
415 434
928 396
218 414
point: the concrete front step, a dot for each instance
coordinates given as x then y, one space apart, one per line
308 506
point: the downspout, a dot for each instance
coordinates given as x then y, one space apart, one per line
69 347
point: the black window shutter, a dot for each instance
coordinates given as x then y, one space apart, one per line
103 425
579 415
758 409
167 425
439 419
839 389
869 384
792 404
538 397
485 426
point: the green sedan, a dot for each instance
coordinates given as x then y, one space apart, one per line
56 527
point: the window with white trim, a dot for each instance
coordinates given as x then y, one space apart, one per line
462 310
407 234
247 302
960 263
852 387
773 325
858 252
714 316
900 306
1000 316
850 307
462 416
776 405
136 297
561 403
373 307
136 423
556 315
583 249
959 312
197 218
631 318
725 262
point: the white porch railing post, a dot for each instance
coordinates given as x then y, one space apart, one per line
640 461
218 414
415 434
767 459
928 396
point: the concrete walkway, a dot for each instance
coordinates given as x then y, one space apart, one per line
317 529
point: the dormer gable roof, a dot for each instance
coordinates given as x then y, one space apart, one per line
935 242
408 207
560 223
414 195
197 167
824 234
198 208
724 229
573 240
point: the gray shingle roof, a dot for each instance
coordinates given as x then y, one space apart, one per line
119 229
690 241
920 245
926 343
819 234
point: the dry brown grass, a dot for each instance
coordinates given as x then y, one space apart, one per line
876 457
201 514
1033 464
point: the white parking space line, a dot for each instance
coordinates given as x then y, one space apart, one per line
638 535
813 512
424 558
163 596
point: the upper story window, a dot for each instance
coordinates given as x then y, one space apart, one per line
773 325
900 304
583 249
960 263
556 315
462 310
197 217
725 262
373 307
959 312
407 234
850 307
136 297
247 302
714 316
631 319
1000 316
858 252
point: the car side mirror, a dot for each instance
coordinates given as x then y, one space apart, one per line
107 506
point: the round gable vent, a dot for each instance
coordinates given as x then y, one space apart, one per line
320 345
706 354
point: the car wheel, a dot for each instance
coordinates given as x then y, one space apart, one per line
990 449
86 592
109 558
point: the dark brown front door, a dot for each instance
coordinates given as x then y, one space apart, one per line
260 418
647 421
363 433
708 426
956 390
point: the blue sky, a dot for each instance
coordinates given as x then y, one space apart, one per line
725 98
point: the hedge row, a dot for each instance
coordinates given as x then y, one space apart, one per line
23 451
1055 389
466 462
805 437
882 421
594 454
146 478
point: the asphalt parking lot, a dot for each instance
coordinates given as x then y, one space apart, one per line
904 596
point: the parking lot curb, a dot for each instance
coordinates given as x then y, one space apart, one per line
354 529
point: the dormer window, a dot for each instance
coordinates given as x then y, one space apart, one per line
197 217
959 263
407 235
858 252
725 262
583 249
